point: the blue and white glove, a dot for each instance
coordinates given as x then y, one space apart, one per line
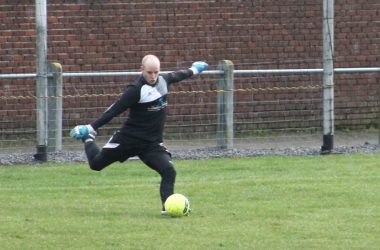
83 132
198 67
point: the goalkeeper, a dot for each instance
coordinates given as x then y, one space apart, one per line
142 132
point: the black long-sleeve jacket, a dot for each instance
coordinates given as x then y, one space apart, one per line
147 107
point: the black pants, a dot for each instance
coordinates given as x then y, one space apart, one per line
153 155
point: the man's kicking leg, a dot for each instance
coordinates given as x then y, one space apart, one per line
97 159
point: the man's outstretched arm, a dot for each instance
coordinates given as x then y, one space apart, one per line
176 76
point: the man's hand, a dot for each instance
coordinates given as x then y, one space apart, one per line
198 67
82 132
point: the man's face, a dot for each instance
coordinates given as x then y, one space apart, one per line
150 71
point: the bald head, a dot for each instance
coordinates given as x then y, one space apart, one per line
150 68
150 59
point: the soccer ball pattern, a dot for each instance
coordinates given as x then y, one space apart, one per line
177 205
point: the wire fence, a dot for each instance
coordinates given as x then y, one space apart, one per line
271 107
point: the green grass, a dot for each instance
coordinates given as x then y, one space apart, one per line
319 202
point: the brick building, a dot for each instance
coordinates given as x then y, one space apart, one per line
114 35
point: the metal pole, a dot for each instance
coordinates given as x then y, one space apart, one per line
283 72
328 76
41 79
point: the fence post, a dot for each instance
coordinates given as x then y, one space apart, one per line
55 107
225 106
378 96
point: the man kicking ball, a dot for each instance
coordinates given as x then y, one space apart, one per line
142 132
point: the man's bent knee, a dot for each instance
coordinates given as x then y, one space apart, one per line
97 166
169 173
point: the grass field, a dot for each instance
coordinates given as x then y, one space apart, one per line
273 202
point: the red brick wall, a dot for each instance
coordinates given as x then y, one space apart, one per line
101 35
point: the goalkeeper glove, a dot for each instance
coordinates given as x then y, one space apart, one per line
83 132
198 67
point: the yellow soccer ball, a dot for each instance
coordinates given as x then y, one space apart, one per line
177 205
